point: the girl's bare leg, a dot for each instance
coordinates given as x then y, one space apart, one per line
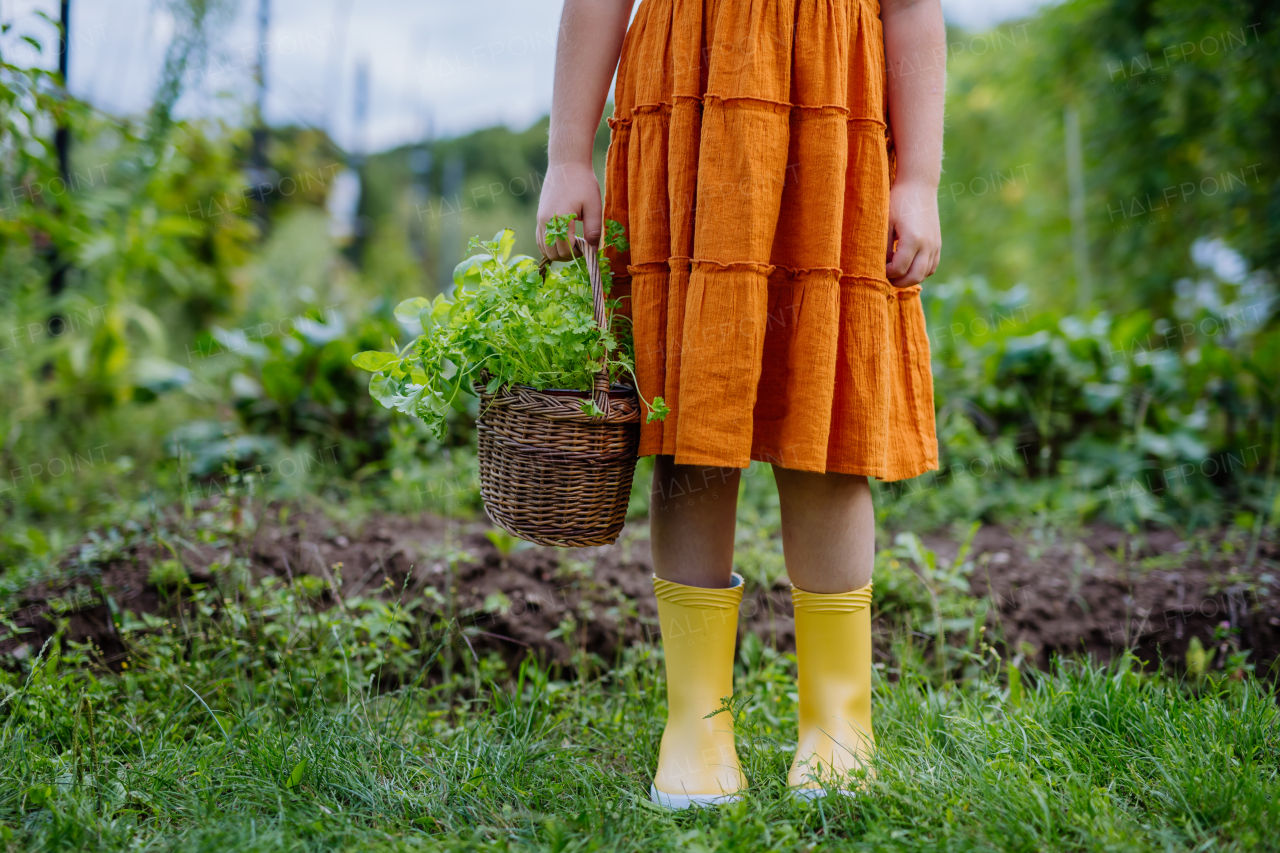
828 529
691 522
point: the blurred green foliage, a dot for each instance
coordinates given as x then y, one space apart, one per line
210 307
1177 113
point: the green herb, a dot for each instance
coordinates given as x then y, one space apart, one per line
506 325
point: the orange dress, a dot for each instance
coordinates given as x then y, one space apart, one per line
750 163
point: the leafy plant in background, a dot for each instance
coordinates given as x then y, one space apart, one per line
1152 419
144 260
505 325
300 385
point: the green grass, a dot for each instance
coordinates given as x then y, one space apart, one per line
254 724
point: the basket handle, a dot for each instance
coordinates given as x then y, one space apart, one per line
600 386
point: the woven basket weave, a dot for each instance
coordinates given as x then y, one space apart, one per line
549 472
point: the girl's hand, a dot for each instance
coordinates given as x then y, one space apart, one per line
569 188
915 51
587 52
913 222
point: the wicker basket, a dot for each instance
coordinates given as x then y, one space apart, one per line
549 472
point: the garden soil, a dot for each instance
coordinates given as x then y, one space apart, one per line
1097 593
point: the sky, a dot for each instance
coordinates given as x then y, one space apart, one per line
432 67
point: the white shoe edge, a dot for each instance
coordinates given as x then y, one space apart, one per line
684 801
810 794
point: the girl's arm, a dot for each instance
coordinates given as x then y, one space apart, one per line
915 46
587 52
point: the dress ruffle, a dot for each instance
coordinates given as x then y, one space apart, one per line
750 163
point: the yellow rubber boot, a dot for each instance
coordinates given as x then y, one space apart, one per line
833 649
697 762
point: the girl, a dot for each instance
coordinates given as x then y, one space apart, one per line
775 164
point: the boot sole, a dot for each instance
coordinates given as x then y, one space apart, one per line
810 794
686 801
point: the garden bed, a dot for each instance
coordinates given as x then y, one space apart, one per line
1098 592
